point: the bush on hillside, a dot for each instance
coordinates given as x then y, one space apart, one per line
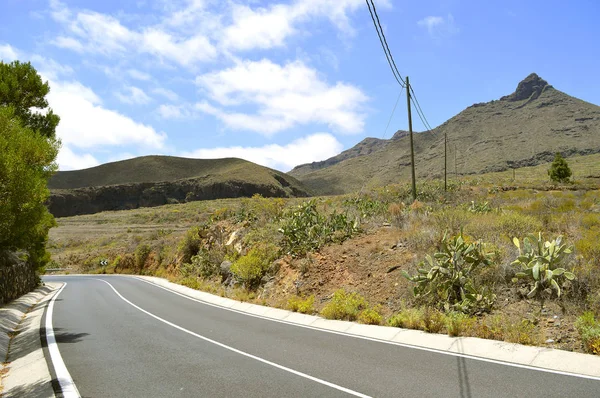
559 169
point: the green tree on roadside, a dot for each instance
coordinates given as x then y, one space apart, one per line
559 170
28 149
22 88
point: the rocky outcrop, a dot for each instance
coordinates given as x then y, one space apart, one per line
529 88
71 202
365 147
17 277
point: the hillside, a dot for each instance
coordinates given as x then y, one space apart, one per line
524 128
157 180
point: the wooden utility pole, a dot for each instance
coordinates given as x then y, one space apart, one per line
412 148
445 161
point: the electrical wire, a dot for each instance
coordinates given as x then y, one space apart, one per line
392 115
386 44
398 77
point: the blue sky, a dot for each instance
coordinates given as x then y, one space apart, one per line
282 83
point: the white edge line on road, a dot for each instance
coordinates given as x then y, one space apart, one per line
67 386
265 361
454 354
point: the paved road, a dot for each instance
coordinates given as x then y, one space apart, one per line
115 348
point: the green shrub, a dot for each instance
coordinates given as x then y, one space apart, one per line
458 324
250 268
304 229
304 306
433 320
370 316
208 261
588 246
366 206
189 245
541 265
559 169
480 207
516 224
589 330
446 279
344 306
410 318
141 255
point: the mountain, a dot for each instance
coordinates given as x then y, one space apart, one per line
157 180
524 128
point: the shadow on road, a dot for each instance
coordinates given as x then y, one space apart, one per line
66 337
463 374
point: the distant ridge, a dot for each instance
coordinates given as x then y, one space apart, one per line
523 128
157 180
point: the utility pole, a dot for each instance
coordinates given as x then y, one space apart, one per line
445 161
412 148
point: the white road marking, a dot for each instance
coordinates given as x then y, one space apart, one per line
265 361
454 354
69 390
356 336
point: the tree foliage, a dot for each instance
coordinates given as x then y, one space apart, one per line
559 170
22 88
26 162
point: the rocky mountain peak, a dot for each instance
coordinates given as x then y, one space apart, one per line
529 88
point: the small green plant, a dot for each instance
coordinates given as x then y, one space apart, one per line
448 278
479 208
559 170
250 268
370 316
304 229
410 318
433 320
589 330
540 263
142 252
304 306
458 324
189 245
344 306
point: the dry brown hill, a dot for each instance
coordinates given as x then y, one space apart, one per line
156 180
521 129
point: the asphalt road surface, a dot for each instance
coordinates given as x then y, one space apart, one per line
129 338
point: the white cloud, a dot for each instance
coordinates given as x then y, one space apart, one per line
285 95
437 26
133 96
269 27
138 75
85 123
68 43
168 94
69 160
94 32
7 53
168 111
283 157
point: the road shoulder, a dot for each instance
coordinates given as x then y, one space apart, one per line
24 368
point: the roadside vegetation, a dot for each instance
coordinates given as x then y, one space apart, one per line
28 149
497 258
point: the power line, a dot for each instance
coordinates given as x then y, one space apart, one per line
386 44
398 77
420 110
392 114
